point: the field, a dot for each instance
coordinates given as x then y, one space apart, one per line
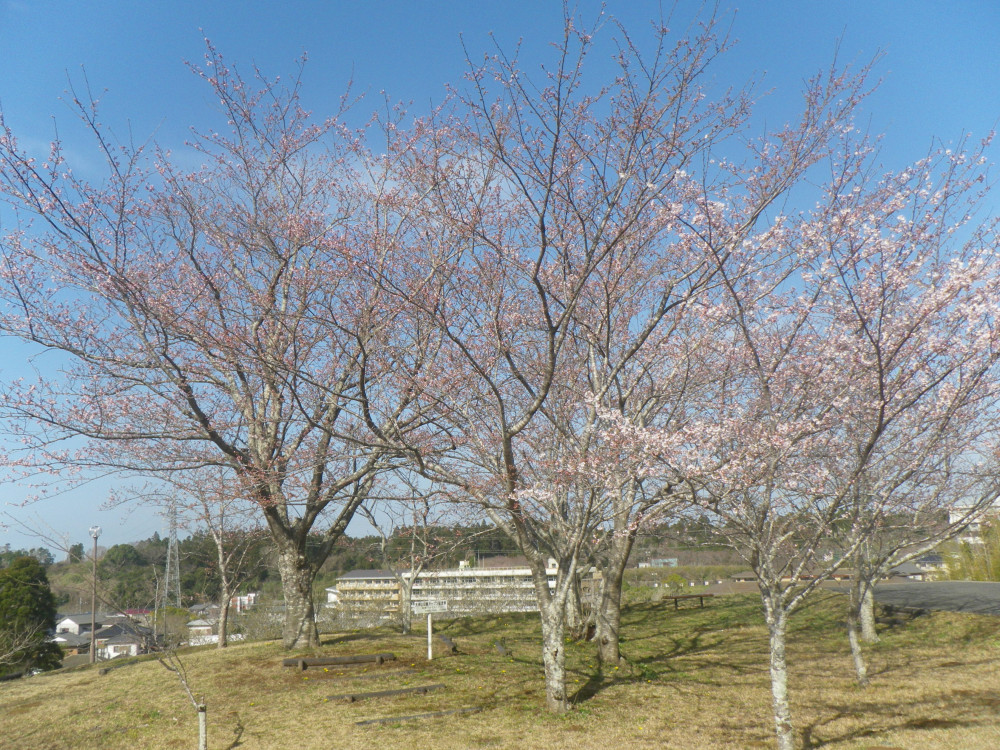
694 678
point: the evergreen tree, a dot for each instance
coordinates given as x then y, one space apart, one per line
27 616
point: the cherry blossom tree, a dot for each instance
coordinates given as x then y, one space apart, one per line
215 318
854 380
540 204
914 313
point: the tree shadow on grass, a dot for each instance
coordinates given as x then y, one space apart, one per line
666 666
960 708
595 683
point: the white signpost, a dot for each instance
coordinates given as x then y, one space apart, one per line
429 607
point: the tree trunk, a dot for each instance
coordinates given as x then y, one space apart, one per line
777 624
552 608
609 618
860 668
609 610
554 656
224 618
867 612
860 591
406 604
297 575
226 593
576 624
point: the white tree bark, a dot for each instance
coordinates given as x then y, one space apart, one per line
777 625
867 611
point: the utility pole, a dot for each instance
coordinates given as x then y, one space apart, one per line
95 531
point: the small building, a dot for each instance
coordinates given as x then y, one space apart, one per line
930 562
243 602
122 645
909 570
123 638
201 633
71 643
80 623
199 627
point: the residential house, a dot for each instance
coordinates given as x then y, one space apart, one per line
80 623
123 638
71 643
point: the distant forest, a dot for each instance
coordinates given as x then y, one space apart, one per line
130 575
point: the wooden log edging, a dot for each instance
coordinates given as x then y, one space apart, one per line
352 697
333 661
412 717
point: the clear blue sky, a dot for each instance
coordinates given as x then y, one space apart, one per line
940 73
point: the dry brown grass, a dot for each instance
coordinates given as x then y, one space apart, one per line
694 679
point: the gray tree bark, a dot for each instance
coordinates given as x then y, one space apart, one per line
576 623
299 630
609 610
554 656
406 603
608 619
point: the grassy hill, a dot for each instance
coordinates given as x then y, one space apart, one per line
695 678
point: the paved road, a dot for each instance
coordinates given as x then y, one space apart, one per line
954 596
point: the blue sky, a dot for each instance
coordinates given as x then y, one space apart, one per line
940 80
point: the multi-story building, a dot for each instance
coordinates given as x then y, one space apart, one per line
365 589
467 589
471 590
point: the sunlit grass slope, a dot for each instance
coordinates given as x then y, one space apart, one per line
694 678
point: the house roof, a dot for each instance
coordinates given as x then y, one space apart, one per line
83 618
72 639
907 569
199 624
122 628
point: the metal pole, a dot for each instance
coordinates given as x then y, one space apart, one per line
430 646
95 531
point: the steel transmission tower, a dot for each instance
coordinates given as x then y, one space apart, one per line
172 580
